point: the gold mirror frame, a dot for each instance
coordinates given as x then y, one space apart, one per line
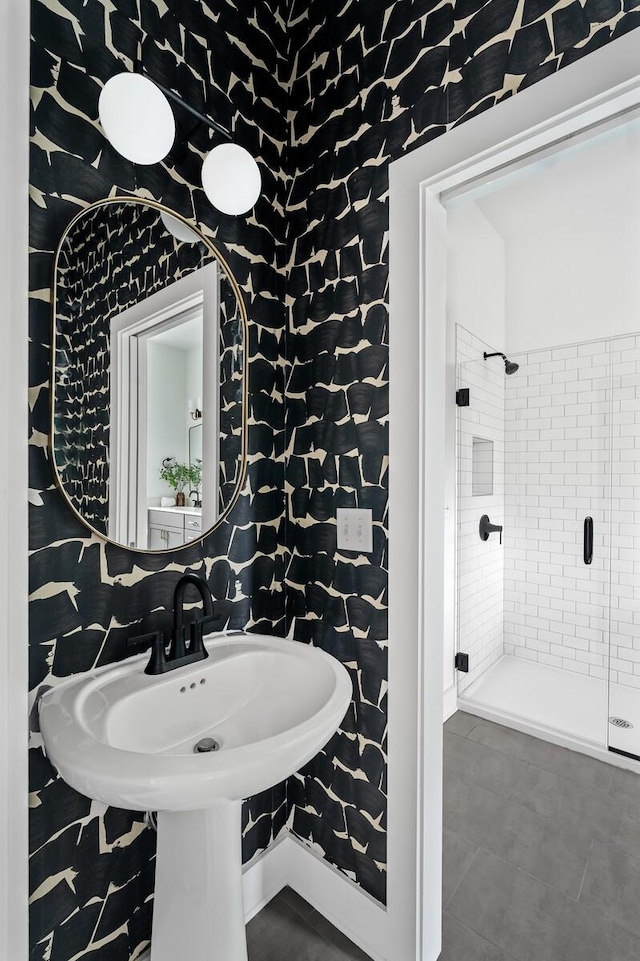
213 250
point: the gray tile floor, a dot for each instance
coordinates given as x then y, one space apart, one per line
541 850
289 929
541 860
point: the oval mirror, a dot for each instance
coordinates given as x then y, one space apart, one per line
149 388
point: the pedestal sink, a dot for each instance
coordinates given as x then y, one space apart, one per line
258 708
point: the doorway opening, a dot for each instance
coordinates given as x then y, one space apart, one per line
541 264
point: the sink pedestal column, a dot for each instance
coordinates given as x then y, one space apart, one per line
198 914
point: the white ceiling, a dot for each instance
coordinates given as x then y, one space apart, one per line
564 192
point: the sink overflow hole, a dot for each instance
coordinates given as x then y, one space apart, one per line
205 746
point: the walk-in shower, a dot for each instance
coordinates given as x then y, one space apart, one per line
549 612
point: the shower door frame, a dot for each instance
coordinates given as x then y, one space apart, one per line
586 93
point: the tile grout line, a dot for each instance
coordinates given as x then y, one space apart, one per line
610 788
590 789
337 951
586 868
291 903
519 802
477 722
463 924
340 954
454 892
541 767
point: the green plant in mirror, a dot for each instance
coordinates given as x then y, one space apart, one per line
175 474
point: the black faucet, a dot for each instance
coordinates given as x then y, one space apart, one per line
179 654
178 645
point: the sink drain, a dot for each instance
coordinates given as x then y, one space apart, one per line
620 722
205 746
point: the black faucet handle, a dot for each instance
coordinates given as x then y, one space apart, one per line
178 643
197 631
141 642
158 660
156 641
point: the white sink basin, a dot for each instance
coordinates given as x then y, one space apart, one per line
126 738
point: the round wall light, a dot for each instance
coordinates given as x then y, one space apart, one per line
231 179
136 118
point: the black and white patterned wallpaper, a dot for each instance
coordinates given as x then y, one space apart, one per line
91 869
360 84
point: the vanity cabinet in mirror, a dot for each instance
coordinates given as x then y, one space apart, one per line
149 387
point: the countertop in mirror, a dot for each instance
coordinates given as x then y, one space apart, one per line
179 510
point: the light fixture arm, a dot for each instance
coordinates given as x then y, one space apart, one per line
175 98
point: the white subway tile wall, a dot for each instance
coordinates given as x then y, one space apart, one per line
557 473
480 609
566 434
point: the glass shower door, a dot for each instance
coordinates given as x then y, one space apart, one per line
480 493
557 534
534 458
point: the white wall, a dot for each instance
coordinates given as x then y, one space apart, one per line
194 380
480 612
572 234
194 392
475 274
14 165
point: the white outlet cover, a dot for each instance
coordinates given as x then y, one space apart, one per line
355 529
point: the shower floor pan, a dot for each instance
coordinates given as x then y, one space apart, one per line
559 706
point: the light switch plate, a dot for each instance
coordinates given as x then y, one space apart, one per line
355 529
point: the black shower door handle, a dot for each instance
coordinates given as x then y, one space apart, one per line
588 540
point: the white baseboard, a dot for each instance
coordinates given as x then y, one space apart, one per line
334 896
350 909
263 877
450 702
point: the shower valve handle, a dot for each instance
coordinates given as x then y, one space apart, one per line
485 528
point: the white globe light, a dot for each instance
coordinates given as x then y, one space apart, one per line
231 179
136 118
179 229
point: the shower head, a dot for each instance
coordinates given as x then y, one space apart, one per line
509 366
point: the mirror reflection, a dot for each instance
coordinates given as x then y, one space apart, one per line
148 425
